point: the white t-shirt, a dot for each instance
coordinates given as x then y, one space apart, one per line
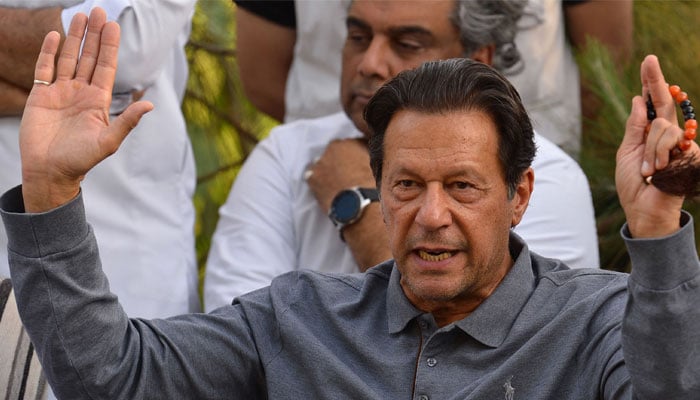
271 222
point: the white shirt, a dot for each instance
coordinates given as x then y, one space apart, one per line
139 200
38 3
271 222
313 82
549 83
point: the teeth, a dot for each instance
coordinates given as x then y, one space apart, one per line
434 257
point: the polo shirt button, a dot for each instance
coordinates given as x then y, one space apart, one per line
423 324
423 397
432 362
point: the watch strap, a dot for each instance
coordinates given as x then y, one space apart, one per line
371 194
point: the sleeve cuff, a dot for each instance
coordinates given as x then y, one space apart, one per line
41 234
666 262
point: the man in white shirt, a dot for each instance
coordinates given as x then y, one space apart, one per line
141 199
276 217
285 54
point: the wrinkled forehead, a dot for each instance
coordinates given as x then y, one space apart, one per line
451 135
387 15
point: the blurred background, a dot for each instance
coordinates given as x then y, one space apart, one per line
224 126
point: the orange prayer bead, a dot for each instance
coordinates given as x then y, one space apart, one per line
674 90
684 144
681 96
691 124
690 134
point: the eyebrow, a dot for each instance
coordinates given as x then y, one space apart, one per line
354 22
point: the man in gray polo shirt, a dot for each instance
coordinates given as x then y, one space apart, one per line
464 310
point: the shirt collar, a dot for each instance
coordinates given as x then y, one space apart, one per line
400 311
492 320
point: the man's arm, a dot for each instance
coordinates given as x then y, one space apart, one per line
87 345
345 164
661 326
12 100
21 33
264 53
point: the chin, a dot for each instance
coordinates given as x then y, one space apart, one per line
433 290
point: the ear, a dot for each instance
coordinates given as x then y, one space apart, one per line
521 198
484 54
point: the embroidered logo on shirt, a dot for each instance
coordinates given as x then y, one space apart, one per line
510 390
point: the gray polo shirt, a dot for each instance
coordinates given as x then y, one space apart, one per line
547 332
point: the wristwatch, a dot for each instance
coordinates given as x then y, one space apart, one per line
348 205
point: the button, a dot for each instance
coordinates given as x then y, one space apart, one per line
423 397
432 362
423 324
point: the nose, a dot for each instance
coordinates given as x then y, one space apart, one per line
374 62
434 212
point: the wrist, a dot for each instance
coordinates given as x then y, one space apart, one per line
647 227
348 206
41 195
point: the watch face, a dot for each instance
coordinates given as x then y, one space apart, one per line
346 206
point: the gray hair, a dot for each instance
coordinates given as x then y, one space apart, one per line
485 22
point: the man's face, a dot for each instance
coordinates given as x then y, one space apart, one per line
387 37
446 206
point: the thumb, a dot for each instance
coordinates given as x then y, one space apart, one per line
126 122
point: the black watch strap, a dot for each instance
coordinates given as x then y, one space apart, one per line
369 193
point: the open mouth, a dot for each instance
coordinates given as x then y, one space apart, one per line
434 255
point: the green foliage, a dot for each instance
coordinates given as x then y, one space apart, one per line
664 28
223 126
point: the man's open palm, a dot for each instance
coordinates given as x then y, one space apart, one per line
65 128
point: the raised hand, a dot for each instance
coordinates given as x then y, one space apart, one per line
649 211
65 128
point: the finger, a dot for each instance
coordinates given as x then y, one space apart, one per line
106 67
71 48
91 44
654 84
45 62
661 140
667 144
636 124
123 124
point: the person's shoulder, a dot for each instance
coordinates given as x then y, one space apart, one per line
315 130
549 153
551 160
304 284
577 282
